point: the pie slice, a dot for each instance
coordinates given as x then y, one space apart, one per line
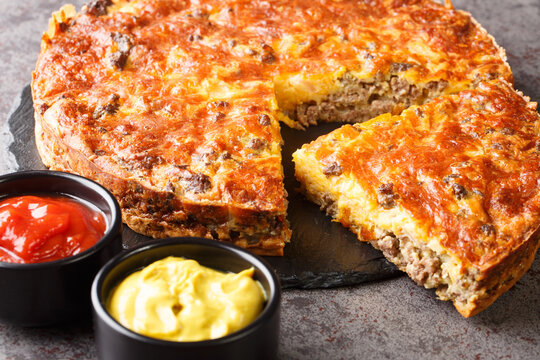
174 105
449 191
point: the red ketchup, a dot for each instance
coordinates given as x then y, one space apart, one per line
43 228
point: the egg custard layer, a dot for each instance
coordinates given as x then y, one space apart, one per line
174 105
449 191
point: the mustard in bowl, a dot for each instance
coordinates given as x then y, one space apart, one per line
183 295
178 299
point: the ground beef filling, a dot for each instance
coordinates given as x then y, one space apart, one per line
425 271
424 267
358 101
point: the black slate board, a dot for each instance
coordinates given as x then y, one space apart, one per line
321 253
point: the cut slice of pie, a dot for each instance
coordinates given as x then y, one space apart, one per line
449 191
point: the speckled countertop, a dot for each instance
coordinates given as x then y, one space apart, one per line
382 320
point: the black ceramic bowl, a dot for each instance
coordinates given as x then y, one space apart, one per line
41 294
259 340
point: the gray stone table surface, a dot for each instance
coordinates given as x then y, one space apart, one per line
380 320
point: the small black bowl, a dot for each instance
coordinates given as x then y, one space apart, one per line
47 293
259 340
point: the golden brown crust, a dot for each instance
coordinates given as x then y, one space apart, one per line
181 99
501 277
459 175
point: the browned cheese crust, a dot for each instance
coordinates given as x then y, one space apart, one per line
449 191
174 105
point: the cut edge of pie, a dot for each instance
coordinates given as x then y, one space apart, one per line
437 190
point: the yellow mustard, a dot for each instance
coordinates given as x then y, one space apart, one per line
178 299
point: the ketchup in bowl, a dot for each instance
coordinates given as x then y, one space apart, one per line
36 229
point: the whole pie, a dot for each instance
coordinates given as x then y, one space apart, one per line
175 106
